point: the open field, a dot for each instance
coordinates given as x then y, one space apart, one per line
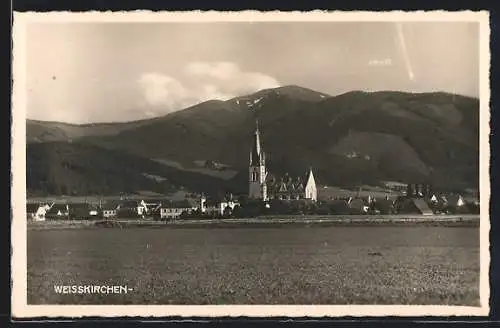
265 221
296 265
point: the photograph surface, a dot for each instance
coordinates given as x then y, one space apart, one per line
251 163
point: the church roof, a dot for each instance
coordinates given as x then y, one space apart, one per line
284 184
58 208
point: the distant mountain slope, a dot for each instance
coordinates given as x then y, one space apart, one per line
41 131
291 91
62 168
408 137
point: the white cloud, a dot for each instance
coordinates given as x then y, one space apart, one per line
229 78
200 81
217 70
161 89
211 91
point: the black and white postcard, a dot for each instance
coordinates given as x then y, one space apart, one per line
250 164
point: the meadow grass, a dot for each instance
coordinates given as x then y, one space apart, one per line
303 265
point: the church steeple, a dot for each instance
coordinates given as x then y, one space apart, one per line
257 168
256 153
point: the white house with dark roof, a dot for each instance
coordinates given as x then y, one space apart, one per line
110 209
147 207
38 212
172 210
217 206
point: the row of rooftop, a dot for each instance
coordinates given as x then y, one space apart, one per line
161 208
418 203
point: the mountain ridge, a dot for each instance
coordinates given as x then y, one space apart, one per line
399 136
437 93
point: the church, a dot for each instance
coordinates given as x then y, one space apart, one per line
265 186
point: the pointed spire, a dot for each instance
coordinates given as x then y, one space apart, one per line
310 178
255 155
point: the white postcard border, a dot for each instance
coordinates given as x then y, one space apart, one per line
20 308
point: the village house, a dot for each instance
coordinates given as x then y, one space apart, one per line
128 209
148 207
210 207
217 207
174 209
383 206
454 200
227 206
58 211
423 206
37 212
419 190
93 211
396 186
110 209
405 205
358 205
408 205
453 203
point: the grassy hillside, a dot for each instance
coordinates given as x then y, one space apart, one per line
41 131
62 168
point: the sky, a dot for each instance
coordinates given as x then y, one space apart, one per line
109 72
